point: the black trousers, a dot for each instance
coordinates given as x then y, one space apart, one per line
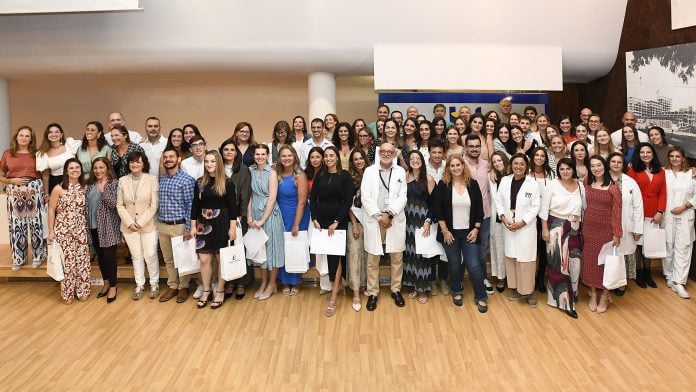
107 259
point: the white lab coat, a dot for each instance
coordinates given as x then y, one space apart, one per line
521 244
631 214
369 191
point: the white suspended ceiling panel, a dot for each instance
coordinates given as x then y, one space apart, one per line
304 36
61 6
462 67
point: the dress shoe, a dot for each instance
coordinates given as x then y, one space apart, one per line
571 313
620 291
168 295
240 294
457 300
640 279
112 299
482 308
500 286
356 304
398 299
371 303
182 296
649 280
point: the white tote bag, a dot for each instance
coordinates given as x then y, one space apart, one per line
654 245
614 270
54 262
296 253
185 257
232 262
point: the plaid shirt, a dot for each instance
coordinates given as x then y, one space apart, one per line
175 198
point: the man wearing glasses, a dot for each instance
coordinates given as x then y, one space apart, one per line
193 166
479 169
383 196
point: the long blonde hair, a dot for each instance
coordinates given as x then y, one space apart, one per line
447 175
295 166
220 176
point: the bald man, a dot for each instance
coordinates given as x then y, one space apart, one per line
628 120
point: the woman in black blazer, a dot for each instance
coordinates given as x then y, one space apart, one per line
458 208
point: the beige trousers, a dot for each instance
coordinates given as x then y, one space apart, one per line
520 275
165 233
397 270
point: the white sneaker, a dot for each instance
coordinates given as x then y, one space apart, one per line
669 283
199 292
679 289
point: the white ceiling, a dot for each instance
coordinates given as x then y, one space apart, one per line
304 35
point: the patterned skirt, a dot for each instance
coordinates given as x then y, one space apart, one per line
564 254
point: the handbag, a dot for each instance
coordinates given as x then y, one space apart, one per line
54 262
654 245
232 262
296 253
185 257
614 271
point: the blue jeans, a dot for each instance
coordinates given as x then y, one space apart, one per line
484 237
461 253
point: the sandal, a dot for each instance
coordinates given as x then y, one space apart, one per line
356 304
413 294
216 304
423 298
286 290
295 290
330 309
202 303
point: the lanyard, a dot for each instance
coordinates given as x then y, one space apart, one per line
386 185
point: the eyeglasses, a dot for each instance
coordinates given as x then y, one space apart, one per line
386 152
198 144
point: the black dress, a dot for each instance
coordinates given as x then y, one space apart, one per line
330 200
213 213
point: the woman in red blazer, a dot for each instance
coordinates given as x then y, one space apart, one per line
648 173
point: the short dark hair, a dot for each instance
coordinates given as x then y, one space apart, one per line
435 143
135 155
568 162
152 118
170 148
471 136
317 119
196 138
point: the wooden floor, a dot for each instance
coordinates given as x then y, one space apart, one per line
646 341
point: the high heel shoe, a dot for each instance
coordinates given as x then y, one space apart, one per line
593 302
603 302
270 290
203 301
640 279
330 308
103 293
112 299
216 304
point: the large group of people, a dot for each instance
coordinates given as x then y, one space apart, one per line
537 201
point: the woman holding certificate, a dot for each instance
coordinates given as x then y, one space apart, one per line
331 198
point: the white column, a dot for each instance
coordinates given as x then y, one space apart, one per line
5 131
321 88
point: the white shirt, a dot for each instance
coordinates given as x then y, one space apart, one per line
436 174
154 153
461 208
308 145
557 200
135 137
192 167
618 134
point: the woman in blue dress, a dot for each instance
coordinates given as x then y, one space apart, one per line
293 192
265 214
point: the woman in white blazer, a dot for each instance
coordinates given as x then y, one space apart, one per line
631 214
390 218
136 203
679 221
517 204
